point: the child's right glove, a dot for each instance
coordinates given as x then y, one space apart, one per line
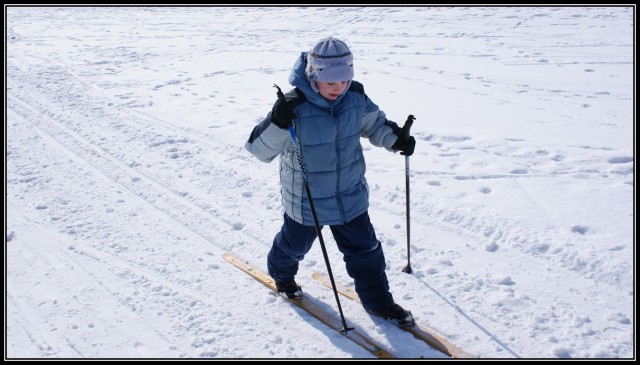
283 114
407 146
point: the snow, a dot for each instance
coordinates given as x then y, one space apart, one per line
127 179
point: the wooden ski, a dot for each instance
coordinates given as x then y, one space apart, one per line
307 303
419 331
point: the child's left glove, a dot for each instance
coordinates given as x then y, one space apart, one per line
407 147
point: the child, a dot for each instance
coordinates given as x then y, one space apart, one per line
331 113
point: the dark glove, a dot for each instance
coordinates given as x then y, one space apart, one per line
407 146
283 114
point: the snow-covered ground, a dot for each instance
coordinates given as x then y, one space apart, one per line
126 179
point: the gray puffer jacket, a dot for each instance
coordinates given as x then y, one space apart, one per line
329 134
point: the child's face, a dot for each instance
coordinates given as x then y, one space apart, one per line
331 90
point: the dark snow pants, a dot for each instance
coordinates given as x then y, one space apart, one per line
362 253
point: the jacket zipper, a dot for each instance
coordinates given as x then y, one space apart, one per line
337 140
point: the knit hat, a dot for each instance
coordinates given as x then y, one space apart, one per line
329 61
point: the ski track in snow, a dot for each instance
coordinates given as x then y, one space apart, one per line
107 166
137 205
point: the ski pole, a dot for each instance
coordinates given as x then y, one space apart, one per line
406 135
296 147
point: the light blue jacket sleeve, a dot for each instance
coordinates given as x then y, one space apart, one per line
267 140
376 127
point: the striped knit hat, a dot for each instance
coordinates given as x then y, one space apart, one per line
329 61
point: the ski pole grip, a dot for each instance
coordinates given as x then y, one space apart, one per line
406 133
280 94
284 100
